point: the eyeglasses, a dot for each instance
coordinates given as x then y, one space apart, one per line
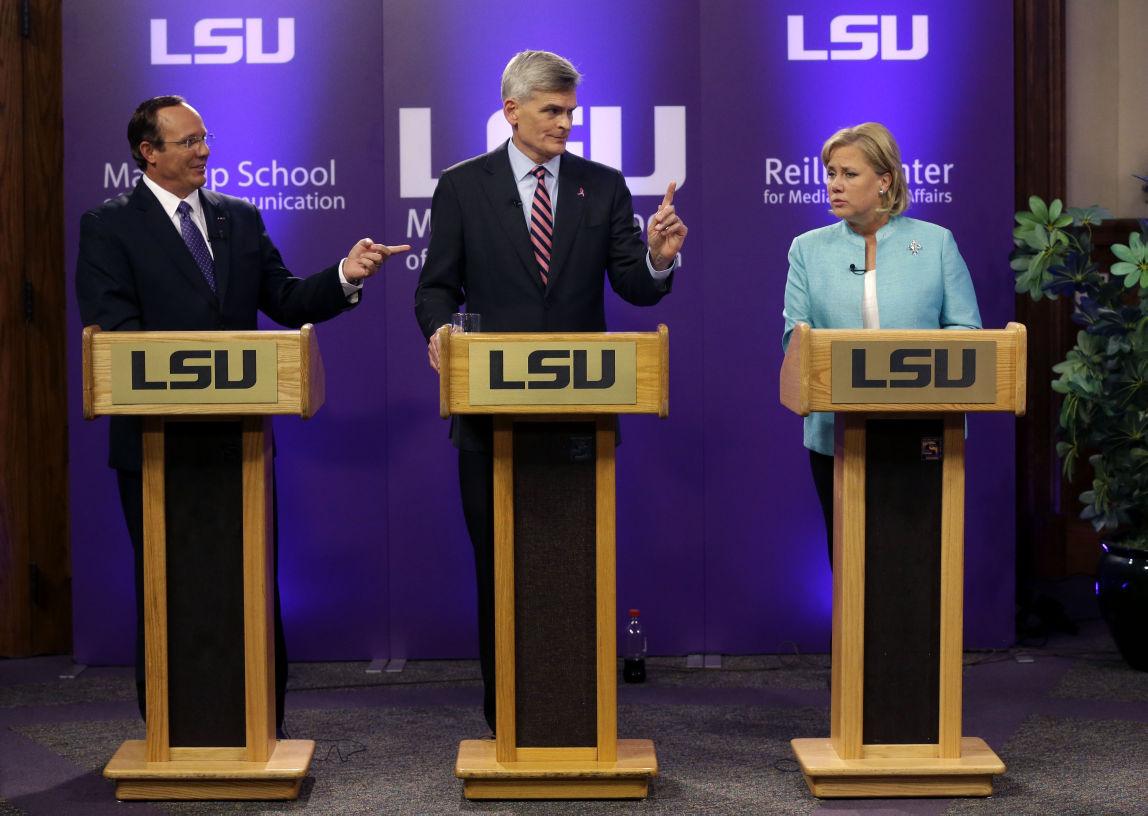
191 142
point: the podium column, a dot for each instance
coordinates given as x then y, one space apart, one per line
209 587
554 508
898 550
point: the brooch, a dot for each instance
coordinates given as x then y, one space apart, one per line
914 247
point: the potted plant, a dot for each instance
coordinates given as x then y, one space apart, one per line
1104 383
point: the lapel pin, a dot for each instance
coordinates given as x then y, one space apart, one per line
914 247
581 193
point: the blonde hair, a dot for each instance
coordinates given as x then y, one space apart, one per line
880 149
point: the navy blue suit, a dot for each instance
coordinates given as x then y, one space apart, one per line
135 273
480 254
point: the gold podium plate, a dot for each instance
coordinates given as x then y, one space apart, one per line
922 372
516 372
163 371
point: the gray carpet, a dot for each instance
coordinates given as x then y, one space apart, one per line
1072 726
808 672
93 685
400 761
1104 679
1071 767
314 676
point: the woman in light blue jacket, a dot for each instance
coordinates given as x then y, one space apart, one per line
873 269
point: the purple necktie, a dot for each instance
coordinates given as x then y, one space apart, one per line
194 240
541 224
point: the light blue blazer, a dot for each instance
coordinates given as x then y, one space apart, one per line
922 283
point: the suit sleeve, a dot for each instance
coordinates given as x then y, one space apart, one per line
629 275
105 283
797 307
959 308
442 282
292 301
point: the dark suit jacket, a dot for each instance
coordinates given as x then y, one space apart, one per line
480 254
135 273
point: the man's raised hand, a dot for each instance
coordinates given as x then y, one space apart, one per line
666 231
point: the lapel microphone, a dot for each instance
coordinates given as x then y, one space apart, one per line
516 202
856 270
220 223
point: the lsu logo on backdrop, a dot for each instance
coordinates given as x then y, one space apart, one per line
860 37
225 40
416 176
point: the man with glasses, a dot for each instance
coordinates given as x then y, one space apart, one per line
171 256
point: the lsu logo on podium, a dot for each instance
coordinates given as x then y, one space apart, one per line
196 369
884 371
520 372
568 370
167 372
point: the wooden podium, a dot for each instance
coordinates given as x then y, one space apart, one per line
553 398
206 400
898 549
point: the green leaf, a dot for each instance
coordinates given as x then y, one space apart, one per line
1088 216
1038 238
1124 253
1039 210
1054 211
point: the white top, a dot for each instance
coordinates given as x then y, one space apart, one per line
870 319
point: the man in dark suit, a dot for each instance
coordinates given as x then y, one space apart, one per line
525 236
170 256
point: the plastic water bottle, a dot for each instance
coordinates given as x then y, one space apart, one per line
634 657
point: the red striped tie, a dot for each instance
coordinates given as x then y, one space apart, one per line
541 224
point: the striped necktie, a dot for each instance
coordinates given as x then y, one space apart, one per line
541 224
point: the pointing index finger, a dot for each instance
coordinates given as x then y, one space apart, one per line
669 198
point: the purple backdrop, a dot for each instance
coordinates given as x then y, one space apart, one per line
719 535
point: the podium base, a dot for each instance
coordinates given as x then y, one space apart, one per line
278 778
830 777
486 778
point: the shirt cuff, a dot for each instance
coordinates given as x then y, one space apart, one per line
661 274
350 290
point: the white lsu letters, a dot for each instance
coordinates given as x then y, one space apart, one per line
867 35
416 178
224 41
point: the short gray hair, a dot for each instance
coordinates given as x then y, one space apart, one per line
529 72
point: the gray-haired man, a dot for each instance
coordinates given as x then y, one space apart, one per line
522 235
